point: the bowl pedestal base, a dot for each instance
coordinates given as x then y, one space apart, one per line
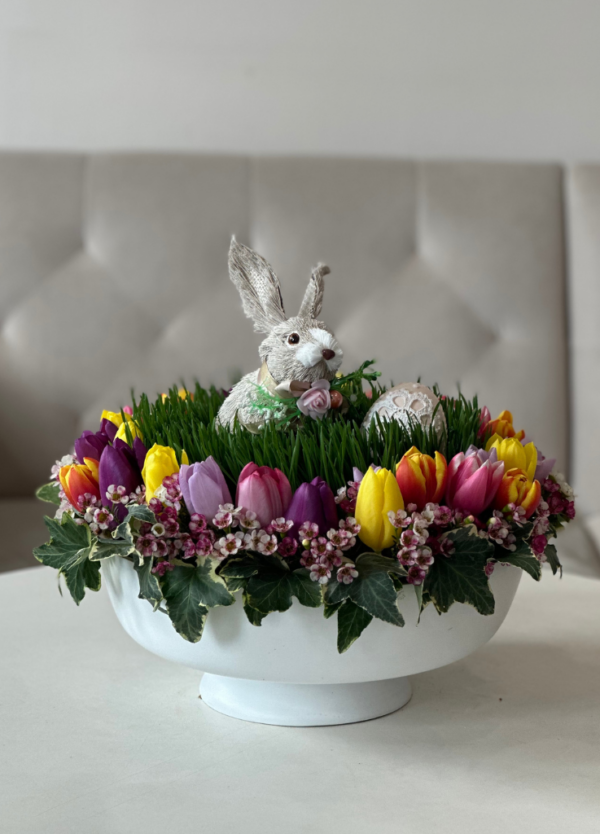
303 704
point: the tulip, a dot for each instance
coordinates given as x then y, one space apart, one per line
378 495
160 462
514 454
90 445
421 478
517 488
313 502
133 430
203 487
544 467
473 480
502 425
264 491
78 479
118 467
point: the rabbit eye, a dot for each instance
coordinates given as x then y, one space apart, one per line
293 339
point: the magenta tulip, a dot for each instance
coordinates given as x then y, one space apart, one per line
264 491
473 480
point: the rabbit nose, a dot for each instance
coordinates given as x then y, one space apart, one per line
328 354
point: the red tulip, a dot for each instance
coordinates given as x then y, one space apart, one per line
421 478
79 479
517 488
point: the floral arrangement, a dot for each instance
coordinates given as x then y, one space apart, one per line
316 506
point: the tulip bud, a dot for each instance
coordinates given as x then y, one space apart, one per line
160 462
204 488
421 478
514 454
313 502
473 480
378 494
264 491
517 488
79 479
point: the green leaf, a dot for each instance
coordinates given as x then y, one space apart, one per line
461 576
118 543
352 621
523 558
183 591
255 617
369 562
271 591
309 593
329 610
211 588
336 592
376 593
149 585
49 493
552 558
141 512
238 567
68 551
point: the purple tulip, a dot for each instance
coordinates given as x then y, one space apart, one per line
473 480
203 487
140 452
314 502
264 491
90 445
118 467
108 428
544 467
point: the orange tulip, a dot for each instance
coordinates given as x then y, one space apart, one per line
421 478
79 479
516 488
503 426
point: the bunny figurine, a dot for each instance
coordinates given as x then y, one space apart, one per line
296 352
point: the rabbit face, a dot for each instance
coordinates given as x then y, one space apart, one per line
301 349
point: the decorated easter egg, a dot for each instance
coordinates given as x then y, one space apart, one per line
408 403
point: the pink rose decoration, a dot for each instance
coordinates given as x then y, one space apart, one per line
316 402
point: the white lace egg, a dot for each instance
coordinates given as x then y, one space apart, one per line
406 403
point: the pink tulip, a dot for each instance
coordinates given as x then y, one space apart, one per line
473 480
264 491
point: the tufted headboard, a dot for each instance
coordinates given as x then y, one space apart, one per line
113 274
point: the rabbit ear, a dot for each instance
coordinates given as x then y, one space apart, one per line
313 297
257 285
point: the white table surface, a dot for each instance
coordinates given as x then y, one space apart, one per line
99 736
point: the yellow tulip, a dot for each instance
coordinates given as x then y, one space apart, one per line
133 428
514 454
378 494
160 462
114 417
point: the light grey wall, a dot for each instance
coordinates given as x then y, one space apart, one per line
471 78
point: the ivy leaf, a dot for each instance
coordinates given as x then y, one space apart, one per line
369 562
309 593
336 592
149 585
49 493
182 590
376 593
141 512
330 609
68 551
552 558
523 558
352 621
271 591
461 576
118 543
238 567
255 617
211 588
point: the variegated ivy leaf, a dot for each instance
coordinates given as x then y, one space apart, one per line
149 585
69 551
119 543
352 621
523 557
49 493
461 577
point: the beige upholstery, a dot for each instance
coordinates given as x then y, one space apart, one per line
114 274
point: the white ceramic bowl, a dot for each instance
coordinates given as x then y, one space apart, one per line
288 670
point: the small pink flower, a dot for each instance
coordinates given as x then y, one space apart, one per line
223 520
416 575
281 525
569 509
538 544
103 518
171 527
162 548
287 547
489 568
229 545
309 530
351 525
321 547
409 539
267 544
347 573
204 545
316 402
443 516
197 523
308 559
320 573
252 539
247 519
398 519
162 567
117 494
424 557
146 545
407 556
